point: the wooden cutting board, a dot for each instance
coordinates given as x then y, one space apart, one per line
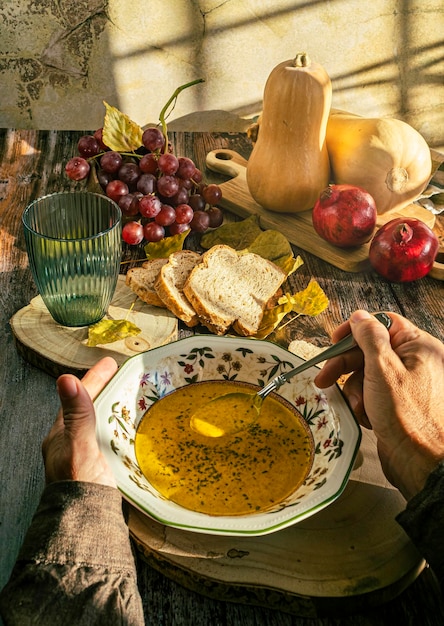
58 349
348 557
297 227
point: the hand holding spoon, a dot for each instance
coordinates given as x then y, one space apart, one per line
234 412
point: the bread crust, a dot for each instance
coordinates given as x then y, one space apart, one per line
141 280
170 281
228 288
220 289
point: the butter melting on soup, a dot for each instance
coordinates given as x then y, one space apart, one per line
249 472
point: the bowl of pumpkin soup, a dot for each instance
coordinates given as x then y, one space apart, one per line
291 461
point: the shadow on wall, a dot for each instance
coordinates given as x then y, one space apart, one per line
408 76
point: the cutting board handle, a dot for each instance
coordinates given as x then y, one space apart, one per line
437 270
227 162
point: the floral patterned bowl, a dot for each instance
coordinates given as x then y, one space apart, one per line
148 376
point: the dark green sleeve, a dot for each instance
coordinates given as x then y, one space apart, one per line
76 565
423 521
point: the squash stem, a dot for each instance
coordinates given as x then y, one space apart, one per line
301 60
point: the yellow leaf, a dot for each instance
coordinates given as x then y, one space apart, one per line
162 249
291 264
108 331
311 301
272 318
120 133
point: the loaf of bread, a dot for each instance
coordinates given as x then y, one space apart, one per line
141 280
228 288
170 281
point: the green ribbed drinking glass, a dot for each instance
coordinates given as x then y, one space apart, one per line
74 244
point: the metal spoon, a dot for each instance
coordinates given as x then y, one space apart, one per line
233 412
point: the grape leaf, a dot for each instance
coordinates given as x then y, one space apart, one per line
237 235
120 133
311 301
108 331
162 249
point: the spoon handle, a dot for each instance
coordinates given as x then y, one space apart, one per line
341 346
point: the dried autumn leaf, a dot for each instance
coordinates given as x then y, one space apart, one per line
162 249
109 331
272 245
120 133
237 235
311 301
291 264
272 318
247 236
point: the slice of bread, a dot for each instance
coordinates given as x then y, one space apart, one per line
170 281
231 289
141 280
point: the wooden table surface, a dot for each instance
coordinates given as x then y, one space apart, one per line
31 165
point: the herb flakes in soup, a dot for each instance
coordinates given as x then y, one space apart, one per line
248 472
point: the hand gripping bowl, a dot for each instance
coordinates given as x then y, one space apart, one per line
151 375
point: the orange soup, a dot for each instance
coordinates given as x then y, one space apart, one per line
249 472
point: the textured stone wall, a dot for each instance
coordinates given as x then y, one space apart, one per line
59 59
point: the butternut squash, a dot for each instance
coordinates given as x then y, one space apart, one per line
385 156
289 165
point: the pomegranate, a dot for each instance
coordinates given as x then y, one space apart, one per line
403 250
345 215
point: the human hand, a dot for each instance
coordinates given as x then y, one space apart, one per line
396 388
70 450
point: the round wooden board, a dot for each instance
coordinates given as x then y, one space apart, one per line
351 555
59 349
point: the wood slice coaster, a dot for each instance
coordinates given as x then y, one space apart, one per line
59 349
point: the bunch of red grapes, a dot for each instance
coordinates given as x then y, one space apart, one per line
158 193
